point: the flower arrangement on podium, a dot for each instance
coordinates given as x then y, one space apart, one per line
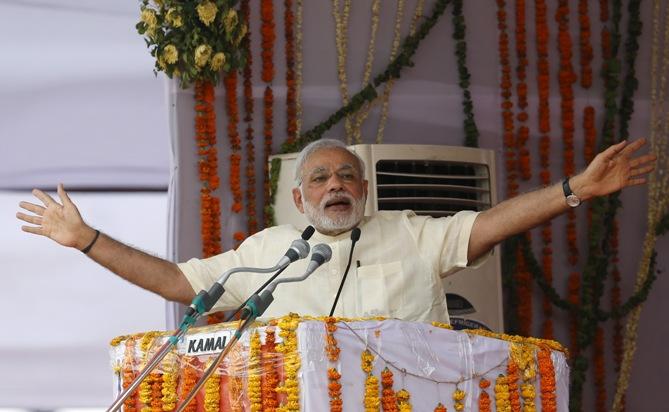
303 363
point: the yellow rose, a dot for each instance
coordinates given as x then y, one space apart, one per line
217 61
174 18
202 54
207 12
230 20
170 54
149 18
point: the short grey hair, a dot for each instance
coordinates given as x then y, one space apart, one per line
322 144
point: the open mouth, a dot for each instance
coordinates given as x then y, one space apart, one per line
338 204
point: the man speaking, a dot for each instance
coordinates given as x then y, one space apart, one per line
396 264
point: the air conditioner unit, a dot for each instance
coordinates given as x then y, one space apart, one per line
430 180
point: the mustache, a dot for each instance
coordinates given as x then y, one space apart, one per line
337 197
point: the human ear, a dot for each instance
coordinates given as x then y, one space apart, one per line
297 198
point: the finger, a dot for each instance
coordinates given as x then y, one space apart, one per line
613 150
45 198
32 229
642 160
36 220
633 147
636 181
64 197
31 207
642 170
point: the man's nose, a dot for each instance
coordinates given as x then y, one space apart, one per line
335 183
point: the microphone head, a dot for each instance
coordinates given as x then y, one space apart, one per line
321 253
301 247
308 232
355 234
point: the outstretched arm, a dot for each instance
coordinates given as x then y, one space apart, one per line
62 223
610 171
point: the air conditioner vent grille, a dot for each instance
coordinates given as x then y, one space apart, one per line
432 187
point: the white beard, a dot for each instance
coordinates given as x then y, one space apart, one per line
339 224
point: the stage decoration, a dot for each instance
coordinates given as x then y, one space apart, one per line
484 398
599 370
404 400
658 188
512 377
387 90
232 110
459 29
289 33
298 66
458 397
304 342
440 408
270 376
362 114
129 374
388 398
268 37
212 392
502 403
547 380
247 73
585 48
522 131
332 350
254 383
192 44
170 378
341 45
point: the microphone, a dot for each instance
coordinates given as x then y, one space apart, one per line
355 236
257 304
302 249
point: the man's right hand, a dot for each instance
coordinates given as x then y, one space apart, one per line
60 222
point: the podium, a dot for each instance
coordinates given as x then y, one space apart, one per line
318 364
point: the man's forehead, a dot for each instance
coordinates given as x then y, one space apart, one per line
330 158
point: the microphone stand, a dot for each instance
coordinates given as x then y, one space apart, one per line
355 235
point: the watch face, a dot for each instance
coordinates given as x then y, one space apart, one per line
573 201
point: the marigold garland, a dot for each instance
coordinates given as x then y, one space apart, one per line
205 135
298 67
512 379
440 408
341 45
543 88
388 398
599 371
232 110
129 375
291 108
212 392
585 48
523 132
502 395
189 377
371 399
170 377
458 397
403 400
270 376
251 214
484 398
267 54
547 380
332 350
459 29
288 325
254 384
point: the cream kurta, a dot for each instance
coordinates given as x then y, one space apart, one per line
396 268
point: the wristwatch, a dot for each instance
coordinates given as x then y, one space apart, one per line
570 197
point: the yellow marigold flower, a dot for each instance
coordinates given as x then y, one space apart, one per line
170 54
230 20
242 32
202 55
174 18
206 11
148 17
217 61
